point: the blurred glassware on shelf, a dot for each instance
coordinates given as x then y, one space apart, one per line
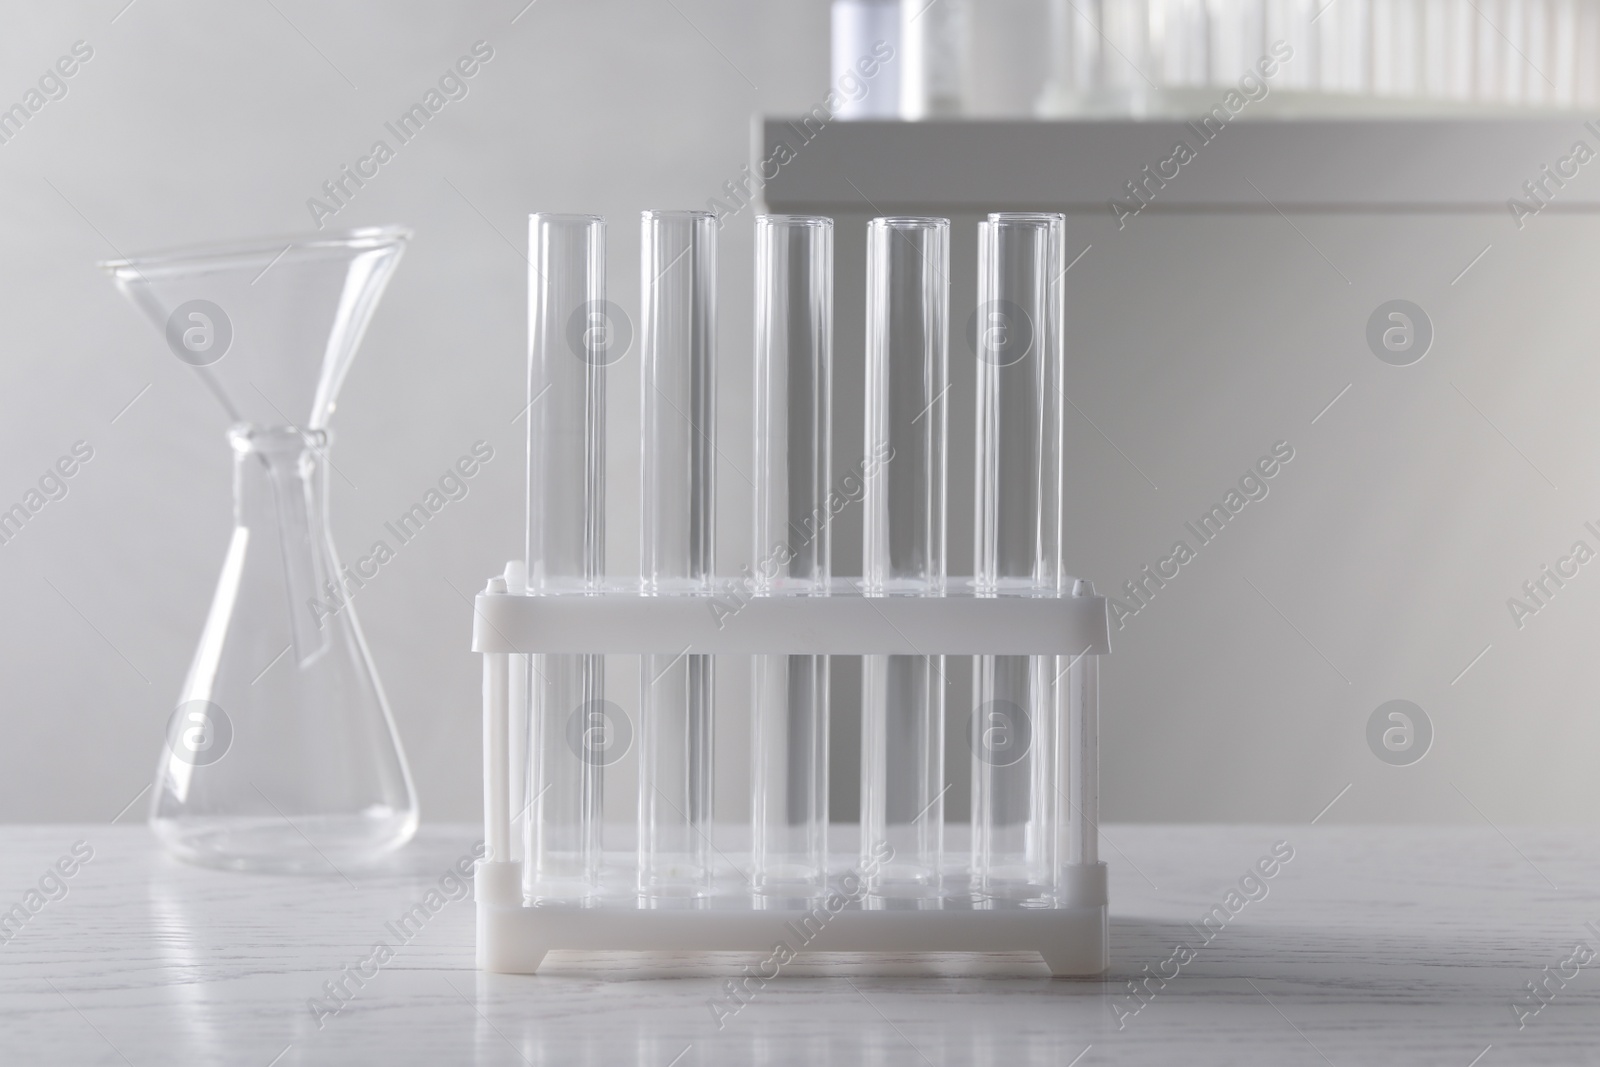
1350 57
1182 58
934 43
281 754
1008 57
865 34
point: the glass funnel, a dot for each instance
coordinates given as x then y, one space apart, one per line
281 754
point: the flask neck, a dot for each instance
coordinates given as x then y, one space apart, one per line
280 492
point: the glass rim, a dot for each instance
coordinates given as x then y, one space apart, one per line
560 216
649 214
818 221
911 222
1026 216
274 248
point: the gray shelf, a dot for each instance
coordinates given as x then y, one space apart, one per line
1252 165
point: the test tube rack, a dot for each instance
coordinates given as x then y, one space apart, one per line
1068 928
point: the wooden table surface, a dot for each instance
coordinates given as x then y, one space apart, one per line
1369 945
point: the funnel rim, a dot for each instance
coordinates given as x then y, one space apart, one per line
364 238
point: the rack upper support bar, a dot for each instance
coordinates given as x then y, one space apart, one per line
632 624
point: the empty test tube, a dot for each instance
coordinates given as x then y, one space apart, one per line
678 403
793 376
1017 544
567 341
902 703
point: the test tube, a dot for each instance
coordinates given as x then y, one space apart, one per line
568 338
793 379
902 705
1017 544
677 513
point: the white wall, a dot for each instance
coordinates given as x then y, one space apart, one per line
196 122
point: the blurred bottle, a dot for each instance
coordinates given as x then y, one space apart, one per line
1100 58
934 37
866 31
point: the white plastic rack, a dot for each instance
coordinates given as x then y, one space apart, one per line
789 882
1066 925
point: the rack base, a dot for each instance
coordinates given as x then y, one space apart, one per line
1064 922
514 940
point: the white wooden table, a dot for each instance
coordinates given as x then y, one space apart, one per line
1372 945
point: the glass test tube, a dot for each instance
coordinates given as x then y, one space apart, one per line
567 340
902 702
793 379
1017 544
677 513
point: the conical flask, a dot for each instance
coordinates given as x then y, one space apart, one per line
281 753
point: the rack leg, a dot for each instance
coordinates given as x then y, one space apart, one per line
505 945
1067 959
496 757
1083 775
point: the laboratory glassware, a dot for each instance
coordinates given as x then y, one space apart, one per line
793 537
773 880
866 32
934 59
282 754
677 543
574 732
902 702
1017 544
